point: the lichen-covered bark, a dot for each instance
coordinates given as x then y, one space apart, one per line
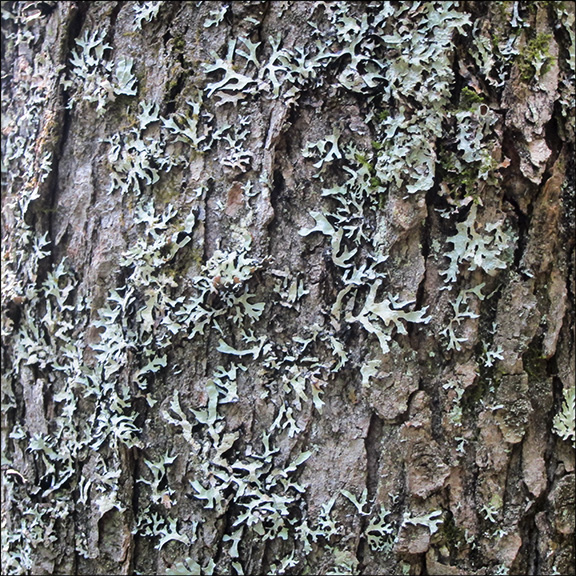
288 287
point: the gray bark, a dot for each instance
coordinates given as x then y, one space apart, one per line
288 287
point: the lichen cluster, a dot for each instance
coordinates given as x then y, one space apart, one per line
161 361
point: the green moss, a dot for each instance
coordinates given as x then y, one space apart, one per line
382 201
362 159
458 175
453 537
383 115
534 59
468 98
179 44
535 365
174 76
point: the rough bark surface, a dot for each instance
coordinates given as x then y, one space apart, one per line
288 287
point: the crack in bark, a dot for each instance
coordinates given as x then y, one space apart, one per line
113 17
54 127
372 446
523 229
372 443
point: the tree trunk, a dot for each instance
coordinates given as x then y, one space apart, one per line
288 287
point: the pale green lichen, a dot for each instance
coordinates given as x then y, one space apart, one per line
381 533
93 78
217 16
564 421
462 311
432 520
407 77
145 12
478 250
390 312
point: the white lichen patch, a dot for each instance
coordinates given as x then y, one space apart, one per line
564 421
93 77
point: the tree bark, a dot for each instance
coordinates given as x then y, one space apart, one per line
288 287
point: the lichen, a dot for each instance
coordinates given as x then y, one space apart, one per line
93 78
111 364
565 418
